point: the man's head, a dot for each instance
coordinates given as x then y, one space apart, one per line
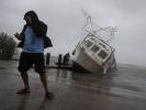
31 17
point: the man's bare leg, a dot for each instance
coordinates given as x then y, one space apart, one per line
43 78
26 88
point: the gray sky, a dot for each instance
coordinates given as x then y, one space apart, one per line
65 20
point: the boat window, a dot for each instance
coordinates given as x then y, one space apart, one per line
102 54
102 45
88 43
95 48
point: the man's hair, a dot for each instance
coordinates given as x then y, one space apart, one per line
39 28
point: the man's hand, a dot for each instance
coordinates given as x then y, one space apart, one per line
16 35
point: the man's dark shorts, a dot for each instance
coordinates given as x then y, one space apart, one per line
32 60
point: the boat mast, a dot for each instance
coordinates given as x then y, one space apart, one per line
104 33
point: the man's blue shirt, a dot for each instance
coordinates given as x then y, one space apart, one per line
32 43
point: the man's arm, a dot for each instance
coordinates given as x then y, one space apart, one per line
21 35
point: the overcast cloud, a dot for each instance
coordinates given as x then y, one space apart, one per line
65 20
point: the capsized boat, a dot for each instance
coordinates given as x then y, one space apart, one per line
93 53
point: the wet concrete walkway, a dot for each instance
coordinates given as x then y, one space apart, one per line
122 90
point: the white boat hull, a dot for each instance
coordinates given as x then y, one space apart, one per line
98 57
87 63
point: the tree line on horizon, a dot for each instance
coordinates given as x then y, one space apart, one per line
7 46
